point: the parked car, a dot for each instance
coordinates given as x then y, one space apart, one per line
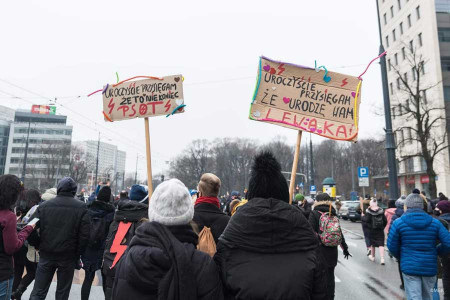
354 211
348 210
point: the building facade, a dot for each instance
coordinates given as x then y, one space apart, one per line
416 36
111 163
48 153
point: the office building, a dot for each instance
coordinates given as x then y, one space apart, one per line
418 30
48 152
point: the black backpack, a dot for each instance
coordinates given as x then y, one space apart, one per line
377 221
98 231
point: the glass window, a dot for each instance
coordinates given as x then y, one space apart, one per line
418 12
398 83
409 21
396 59
405 77
446 94
393 112
413 71
387 41
399 4
385 19
393 35
401 27
410 162
403 53
422 65
444 34
400 109
424 96
411 46
392 89
389 64
392 11
420 39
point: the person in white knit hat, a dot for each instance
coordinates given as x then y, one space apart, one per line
162 261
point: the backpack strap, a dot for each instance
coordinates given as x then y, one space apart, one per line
330 210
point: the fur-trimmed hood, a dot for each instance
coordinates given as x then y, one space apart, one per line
327 203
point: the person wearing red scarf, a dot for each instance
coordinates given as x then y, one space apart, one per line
207 207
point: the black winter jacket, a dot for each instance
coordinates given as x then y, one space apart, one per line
64 224
209 215
93 256
269 251
376 236
127 211
162 263
329 253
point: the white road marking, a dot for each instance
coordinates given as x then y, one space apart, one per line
351 244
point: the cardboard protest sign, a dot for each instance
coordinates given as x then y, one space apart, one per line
307 99
143 98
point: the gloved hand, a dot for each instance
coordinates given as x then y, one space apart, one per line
347 254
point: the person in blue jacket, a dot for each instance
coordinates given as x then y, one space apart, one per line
412 239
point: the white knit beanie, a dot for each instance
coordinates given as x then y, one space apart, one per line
171 204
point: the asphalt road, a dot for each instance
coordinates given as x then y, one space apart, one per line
356 278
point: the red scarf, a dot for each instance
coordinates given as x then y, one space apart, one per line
210 200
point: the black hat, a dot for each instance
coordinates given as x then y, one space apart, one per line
266 180
104 194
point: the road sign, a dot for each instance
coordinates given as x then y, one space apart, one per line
363 172
312 190
301 184
363 176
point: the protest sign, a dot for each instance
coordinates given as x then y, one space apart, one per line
143 98
307 99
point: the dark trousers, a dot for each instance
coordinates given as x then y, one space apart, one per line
401 274
45 271
446 276
87 283
330 283
108 283
366 232
22 283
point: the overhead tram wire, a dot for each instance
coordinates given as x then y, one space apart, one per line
140 151
69 109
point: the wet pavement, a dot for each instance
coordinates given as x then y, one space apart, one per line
359 278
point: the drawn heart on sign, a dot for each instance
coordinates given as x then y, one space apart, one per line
313 129
176 79
353 94
266 68
286 100
179 102
319 131
274 88
326 78
256 114
272 71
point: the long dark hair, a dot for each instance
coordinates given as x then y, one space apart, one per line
10 188
27 199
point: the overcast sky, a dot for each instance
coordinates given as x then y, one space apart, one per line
69 49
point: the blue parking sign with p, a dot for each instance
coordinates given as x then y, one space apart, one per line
363 172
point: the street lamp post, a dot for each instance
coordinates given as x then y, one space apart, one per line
390 142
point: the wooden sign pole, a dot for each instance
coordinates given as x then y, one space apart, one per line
294 166
149 160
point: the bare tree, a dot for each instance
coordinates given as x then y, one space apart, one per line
421 118
79 165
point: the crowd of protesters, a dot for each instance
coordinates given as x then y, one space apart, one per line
182 244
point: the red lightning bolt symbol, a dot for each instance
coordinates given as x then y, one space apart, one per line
111 105
117 246
280 67
344 82
167 106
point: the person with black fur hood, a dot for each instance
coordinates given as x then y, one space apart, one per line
162 261
101 214
324 213
269 250
130 214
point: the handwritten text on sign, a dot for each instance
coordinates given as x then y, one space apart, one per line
143 98
299 98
